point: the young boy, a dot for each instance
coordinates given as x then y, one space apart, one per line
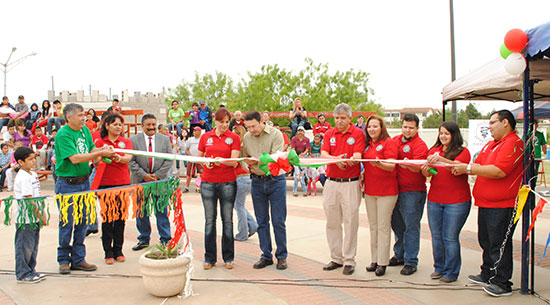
8 135
39 145
26 185
5 158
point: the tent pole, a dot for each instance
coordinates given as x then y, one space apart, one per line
444 104
533 185
526 178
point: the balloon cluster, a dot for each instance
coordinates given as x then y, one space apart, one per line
514 42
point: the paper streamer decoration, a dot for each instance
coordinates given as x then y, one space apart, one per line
35 210
115 202
179 222
536 212
156 196
545 247
522 198
80 205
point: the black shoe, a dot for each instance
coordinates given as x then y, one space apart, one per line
348 270
394 261
477 279
140 245
497 291
89 232
262 263
380 270
372 267
281 264
332 266
408 270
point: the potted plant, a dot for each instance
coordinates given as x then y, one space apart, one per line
164 269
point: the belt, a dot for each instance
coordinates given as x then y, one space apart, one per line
242 175
343 179
75 180
262 177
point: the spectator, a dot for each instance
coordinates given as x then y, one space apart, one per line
56 118
540 146
33 117
21 133
299 175
194 120
219 185
449 202
381 189
321 126
117 109
51 150
5 110
90 123
46 114
300 143
361 123
237 120
5 157
14 167
246 225
8 136
313 174
39 145
285 137
115 103
205 117
266 118
297 116
315 145
21 109
181 143
175 117
192 150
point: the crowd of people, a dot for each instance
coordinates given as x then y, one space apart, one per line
395 193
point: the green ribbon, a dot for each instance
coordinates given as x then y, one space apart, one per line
157 196
29 209
264 159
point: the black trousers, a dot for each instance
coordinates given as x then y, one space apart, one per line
492 228
112 233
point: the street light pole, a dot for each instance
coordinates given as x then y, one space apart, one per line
7 66
453 69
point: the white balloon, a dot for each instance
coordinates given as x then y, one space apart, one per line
515 64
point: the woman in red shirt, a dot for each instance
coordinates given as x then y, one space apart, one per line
219 184
449 202
380 187
116 174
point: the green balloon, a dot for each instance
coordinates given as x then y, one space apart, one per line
504 52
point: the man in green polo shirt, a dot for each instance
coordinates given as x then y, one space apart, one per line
175 117
540 146
74 149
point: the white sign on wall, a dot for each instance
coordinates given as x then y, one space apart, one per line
478 136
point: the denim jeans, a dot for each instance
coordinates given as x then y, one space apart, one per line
246 223
143 225
492 227
302 181
446 221
57 121
294 126
4 122
26 250
3 177
179 126
75 254
270 195
405 223
182 153
210 194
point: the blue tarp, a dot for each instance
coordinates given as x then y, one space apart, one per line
539 41
542 111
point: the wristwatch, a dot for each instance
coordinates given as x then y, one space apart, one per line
469 169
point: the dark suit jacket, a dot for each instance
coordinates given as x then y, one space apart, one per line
139 166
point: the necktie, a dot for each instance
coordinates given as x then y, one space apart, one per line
150 150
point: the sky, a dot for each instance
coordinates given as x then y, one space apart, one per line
150 45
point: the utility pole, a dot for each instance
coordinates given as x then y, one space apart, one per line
6 67
453 69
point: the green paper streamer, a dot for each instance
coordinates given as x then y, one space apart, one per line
158 196
7 205
28 209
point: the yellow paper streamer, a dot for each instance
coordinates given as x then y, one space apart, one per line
522 198
82 204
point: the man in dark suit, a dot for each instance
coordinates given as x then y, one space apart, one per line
145 169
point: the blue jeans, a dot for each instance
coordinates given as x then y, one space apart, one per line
294 126
4 122
302 181
26 250
446 221
183 153
405 223
210 194
246 222
93 225
75 254
57 121
179 126
143 225
270 194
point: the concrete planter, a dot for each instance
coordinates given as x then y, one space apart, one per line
164 277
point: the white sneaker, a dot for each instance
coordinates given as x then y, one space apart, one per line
29 280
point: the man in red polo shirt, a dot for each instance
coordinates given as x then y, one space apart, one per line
408 210
322 126
342 191
498 167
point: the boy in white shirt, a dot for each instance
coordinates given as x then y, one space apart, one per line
27 185
8 136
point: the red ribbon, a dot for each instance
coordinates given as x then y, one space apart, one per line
179 222
536 212
274 168
98 175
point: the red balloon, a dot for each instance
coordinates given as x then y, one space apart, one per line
515 40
